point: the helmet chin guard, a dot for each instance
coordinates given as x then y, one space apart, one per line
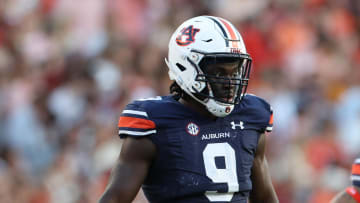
218 109
203 41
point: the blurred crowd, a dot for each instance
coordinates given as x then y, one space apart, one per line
68 68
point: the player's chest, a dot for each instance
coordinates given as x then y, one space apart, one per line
191 138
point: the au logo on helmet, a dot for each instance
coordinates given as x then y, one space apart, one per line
187 36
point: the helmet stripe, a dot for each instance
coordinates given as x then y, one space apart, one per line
232 33
222 30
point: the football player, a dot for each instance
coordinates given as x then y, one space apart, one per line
205 142
352 193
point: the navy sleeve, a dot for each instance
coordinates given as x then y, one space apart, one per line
259 113
135 121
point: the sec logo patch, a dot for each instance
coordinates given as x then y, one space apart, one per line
192 129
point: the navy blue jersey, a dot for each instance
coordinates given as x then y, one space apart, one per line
198 159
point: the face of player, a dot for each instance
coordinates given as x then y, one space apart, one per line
224 80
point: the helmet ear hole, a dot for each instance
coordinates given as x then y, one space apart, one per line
181 67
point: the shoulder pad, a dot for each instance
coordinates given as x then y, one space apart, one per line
135 120
258 111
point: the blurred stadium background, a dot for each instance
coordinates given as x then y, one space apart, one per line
68 67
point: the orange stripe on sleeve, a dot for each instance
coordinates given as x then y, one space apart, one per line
232 33
271 121
131 122
355 169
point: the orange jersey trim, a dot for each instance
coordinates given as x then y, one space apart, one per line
131 122
354 193
271 121
355 169
232 33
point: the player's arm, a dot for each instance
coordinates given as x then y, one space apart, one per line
130 170
343 197
263 190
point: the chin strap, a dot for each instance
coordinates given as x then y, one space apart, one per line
352 191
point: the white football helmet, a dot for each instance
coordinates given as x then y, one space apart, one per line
202 41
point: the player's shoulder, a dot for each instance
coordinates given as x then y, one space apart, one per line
256 111
251 101
139 118
158 109
150 104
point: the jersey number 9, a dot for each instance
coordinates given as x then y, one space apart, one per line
224 175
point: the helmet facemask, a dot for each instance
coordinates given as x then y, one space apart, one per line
226 76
